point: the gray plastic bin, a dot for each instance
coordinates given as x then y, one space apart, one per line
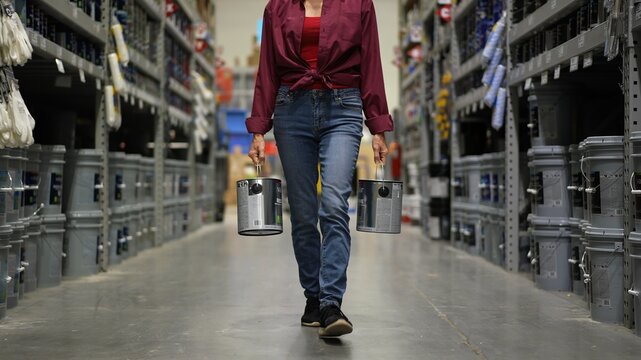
472 167
471 229
51 175
497 180
458 182
33 232
147 167
496 240
549 178
83 244
32 180
183 218
635 291
146 240
576 185
14 203
117 238
134 232
551 108
5 236
130 166
117 181
50 252
83 180
6 187
15 264
576 253
552 239
605 274
457 225
604 156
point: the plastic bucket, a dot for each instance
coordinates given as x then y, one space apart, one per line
576 253
14 203
50 250
32 180
604 154
83 180
33 231
83 244
130 166
577 183
147 178
635 291
15 264
117 239
51 174
5 236
552 239
117 184
605 274
550 110
549 178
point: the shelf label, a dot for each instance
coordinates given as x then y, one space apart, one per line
60 66
574 64
132 101
552 4
98 84
475 107
153 110
82 76
587 60
581 40
557 72
544 78
140 104
528 84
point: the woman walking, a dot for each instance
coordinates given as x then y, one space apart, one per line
320 69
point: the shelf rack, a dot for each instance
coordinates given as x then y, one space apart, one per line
153 103
468 106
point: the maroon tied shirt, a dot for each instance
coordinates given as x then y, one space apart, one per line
348 56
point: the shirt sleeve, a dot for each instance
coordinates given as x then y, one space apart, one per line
267 82
377 117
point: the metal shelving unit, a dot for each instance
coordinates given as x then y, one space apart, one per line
548 13
69 14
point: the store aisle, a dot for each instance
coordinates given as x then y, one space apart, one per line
219 296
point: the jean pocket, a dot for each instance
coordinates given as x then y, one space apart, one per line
351 102
283 97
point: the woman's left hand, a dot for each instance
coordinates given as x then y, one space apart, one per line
380 148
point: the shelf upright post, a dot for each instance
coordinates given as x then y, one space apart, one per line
159 139
632 123
102 142
455 146
512 167
191 153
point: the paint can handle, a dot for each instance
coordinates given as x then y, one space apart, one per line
380 171
259 169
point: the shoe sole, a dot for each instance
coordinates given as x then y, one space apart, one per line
312 324
336 329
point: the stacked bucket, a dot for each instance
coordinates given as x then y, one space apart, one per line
478 209
83 240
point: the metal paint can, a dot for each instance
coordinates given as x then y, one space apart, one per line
260 207
380 203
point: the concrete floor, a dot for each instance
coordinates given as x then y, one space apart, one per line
215 295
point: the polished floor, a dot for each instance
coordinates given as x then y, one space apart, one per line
216 295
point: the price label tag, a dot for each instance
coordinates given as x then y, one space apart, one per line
82 76
90 67
98 84
552 4
528 84
474 107
574 64
481 104
140 104
544 78
132 101
153 110
557 72
519 91
60 66
587 60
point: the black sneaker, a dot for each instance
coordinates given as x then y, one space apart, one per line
312 315
334 323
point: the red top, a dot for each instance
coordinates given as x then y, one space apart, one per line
348 56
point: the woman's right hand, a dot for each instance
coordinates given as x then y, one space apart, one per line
257 149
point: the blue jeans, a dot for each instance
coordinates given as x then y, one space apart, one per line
325 126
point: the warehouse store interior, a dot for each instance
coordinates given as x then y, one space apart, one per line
128 201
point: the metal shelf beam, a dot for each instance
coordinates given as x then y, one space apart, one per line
48 49
180 90
472 64
469 99
587 41
177 116
143 64
173 30
411 78
152 8
69 14
147 97
191 13
547 14
209 68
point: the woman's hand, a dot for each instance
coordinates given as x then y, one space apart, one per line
257 149
380 148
